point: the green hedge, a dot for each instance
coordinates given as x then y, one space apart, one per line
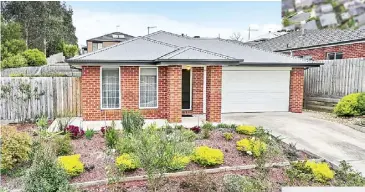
351 105
14 61
35 57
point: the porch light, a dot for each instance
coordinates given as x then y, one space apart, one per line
188 67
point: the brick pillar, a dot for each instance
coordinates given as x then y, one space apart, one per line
214 93
198 87
130 87
296 90
174 74
90 93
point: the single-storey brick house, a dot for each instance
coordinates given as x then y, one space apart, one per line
166 76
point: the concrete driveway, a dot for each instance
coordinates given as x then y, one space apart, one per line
332 141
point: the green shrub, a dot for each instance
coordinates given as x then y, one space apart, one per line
111 136
15 147
62 144
179 162
321 171
228 136
346 176
206 133
188 134
45 174
208 125
35 57
89 133
132 121
251 146
71 164
207 156
361 104
308 171
238 183
70 50
127 162
16 75
349 105
14 62
125 143
42 123
246 129
12 47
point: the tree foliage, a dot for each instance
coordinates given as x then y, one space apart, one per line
45 25
35 57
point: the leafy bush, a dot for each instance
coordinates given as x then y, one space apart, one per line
251 146
179 162
198 182
206 133
346 176
35 57
350 105
45 174
70 50
195 129
207 156
228 136
321 171
103 129
72 164
208 125
63 145
75 131
16 75
111 136
15 147
246 129
132 121
125 143
14 62
12 47
127 162
238 183
89 133
42 123
189 134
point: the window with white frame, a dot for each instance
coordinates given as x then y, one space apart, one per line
110 88
97 46
148 88
334 55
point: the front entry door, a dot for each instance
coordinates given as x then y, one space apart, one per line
186 89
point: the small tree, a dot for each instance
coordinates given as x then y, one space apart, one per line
237 36
70 50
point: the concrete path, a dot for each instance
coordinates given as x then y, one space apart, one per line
332 141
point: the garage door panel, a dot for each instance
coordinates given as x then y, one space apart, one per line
255 91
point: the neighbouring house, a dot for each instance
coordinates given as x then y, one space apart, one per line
166 76
106 40
328 20
325 44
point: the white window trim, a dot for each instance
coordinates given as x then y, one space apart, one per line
334 58
191 90
101 89
139 88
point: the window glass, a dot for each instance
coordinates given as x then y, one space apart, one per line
148 88
110 89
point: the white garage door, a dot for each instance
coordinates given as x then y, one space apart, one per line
255 89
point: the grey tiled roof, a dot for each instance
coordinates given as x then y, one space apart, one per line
109 37
164 46
295 39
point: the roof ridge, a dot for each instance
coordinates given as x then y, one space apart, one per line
105 48
275 53
160 42
186 48
212 53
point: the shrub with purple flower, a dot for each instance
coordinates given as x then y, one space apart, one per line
75 131
196 129
104 129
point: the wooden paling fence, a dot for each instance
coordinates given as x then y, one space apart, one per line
48 96
335 79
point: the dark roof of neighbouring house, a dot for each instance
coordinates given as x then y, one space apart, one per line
311 38
163 46
115 37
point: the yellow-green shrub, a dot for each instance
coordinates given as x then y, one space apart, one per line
207 156
349 105
127 162
246 129
251 146
321 171
72 164
228 136
179 162
15 147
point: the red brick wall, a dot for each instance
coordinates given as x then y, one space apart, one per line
349 51
174 74
198 88
214 93
296 90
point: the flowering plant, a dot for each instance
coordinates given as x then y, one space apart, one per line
104 129
196 129
75 131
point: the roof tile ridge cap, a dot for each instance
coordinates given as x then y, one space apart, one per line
275 53
187 37
160 42
210 52
176 51
106 48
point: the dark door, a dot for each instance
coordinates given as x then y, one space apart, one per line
186 89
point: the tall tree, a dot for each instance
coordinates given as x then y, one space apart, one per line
236 36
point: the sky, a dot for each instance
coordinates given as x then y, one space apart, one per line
205 19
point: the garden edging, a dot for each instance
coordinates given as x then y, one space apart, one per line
185 173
